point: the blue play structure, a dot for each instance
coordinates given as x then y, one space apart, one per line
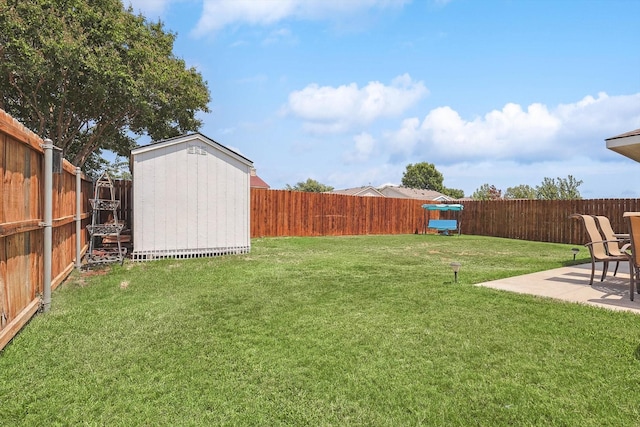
443 226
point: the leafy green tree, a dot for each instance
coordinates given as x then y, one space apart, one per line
92 76
423 176
522 191
548 189
568 188
487 192
453 193
560 189
310 185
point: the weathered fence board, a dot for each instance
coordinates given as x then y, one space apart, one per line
21 233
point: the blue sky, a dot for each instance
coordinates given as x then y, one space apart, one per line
349 92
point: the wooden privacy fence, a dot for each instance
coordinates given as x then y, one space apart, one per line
294 213
297 213
21 219
123 191
542 220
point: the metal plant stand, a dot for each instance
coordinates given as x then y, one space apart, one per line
100 254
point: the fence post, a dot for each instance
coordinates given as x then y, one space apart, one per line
48 223
78 217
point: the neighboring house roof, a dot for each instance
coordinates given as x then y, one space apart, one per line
359 191
413 193
627 144
190 137
256 182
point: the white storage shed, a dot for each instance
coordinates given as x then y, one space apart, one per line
190 199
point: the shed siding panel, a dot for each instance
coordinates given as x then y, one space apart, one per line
181 197
223 194
205 162
221 206
214 225
192 183
173 196
160 198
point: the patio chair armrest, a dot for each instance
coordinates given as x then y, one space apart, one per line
603 241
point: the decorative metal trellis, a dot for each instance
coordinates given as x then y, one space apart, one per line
98 252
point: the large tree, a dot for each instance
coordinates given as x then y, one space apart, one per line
92 75
425 176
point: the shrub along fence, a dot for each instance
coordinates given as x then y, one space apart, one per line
21 225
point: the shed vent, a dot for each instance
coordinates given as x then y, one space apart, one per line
195 149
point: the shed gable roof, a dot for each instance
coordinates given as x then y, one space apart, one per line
181 139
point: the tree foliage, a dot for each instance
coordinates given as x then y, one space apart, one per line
423 176
453 193
559 189
92 75
522 191
119 169
487 192
549 189
310 185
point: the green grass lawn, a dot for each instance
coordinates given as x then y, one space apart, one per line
367 330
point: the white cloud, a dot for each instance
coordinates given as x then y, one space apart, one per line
335 109
536 133
219 13
363 147
612 115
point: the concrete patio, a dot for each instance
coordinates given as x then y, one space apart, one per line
572 284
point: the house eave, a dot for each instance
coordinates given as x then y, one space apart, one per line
628 146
